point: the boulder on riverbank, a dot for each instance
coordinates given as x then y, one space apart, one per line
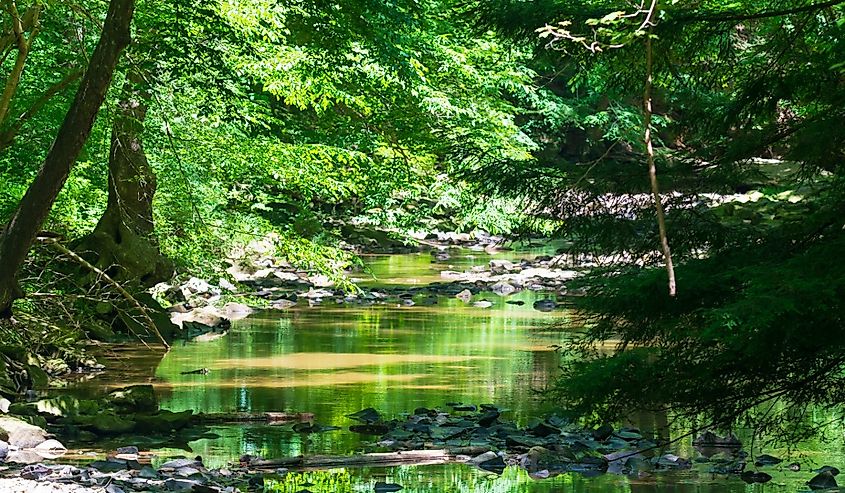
18 433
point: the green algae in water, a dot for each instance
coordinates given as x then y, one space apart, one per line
456 478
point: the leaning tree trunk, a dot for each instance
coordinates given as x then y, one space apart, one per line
652 169
33 209
123 243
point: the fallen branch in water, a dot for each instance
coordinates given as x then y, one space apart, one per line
386 459
268 417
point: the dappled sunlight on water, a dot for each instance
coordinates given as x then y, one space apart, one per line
328 361
317 380
335 360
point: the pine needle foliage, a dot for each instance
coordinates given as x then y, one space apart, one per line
759 308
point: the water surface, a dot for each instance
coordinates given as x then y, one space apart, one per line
332 360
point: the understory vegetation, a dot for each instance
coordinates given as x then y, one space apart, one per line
312 125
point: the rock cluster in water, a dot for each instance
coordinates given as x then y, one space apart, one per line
124 472
476 435
196 304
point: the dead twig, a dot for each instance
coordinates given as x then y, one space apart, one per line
120 289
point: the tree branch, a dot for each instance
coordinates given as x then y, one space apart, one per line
732 17
23 51
120 289
8 135
27 21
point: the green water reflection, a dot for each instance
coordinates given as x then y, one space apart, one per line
333 360
457 479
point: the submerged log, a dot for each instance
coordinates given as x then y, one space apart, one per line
386 459
268 417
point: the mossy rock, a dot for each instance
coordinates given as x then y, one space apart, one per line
38 376
137 398
100 331
23 409
66 406
164 421
8 386
39 421
105 424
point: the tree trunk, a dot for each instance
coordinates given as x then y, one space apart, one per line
652 170
123 242
33 209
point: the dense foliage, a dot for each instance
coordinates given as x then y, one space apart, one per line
295 120
760 291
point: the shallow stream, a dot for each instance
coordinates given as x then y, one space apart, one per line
333 360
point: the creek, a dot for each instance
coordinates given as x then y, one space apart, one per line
333 360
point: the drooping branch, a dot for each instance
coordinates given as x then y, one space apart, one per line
645 21
739 17
151 326
7 136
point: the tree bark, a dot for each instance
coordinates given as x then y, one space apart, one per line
33 209
652 170
123 241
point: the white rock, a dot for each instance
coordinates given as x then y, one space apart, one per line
236 311
51 444
503 288
286 276
479 459
22 434
282 304
321 281
501 266
464 295
224 284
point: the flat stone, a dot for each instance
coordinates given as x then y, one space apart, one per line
496 464
386 487
767 460
22 434
370 429
35 471
755 477
488 418
173 484
464 295
545 305
503 288
178 463
368 415
543 430
108 466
